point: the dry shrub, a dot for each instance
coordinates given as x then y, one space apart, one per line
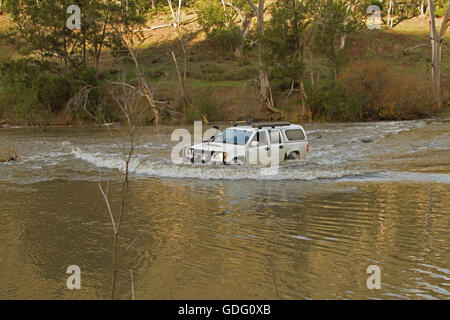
9 154
385 94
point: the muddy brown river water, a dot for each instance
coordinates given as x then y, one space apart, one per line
211 232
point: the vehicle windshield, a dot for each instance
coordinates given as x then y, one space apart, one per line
234 136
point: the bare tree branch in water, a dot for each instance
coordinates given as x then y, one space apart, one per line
131 102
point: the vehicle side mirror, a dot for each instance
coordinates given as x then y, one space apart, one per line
254 144
211 139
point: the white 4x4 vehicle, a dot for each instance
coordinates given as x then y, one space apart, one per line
255 143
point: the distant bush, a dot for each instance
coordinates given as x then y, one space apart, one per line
31 90
327 100
217 24
371 91
203 105
440 12
384 94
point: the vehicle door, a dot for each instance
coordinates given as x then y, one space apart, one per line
276 144
259 148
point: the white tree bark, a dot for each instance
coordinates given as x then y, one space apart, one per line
350 8
437 37
246 23
264 85
181 75
390 18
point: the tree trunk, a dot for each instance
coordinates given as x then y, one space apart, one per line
301 53
264 85
436 45
311 60
181 83
246 24
348 16
390 19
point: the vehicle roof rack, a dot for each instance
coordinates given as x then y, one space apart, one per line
270 124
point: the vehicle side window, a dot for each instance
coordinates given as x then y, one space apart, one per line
261 138
275 136
295 135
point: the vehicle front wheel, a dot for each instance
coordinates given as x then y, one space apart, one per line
293 156
238 161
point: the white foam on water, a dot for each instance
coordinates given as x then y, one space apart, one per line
298 171
209 172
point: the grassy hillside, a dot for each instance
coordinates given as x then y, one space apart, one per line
222 86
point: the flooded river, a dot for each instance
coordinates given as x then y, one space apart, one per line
211 232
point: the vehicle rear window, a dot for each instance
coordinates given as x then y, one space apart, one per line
295 135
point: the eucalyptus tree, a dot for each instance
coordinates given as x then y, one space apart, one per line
263 81
333 25
245 15
228 20
398 11
291 28
437 38
41 26
2 6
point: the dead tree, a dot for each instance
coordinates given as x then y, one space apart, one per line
127 102
181 72
131 102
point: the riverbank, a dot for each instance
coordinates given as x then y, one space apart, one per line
382 80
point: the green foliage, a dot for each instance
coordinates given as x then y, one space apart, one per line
219 24
286 30
334 23
41 25
94 105
405 9
441 8
3 4
203 105
211 16
327 101
33 90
